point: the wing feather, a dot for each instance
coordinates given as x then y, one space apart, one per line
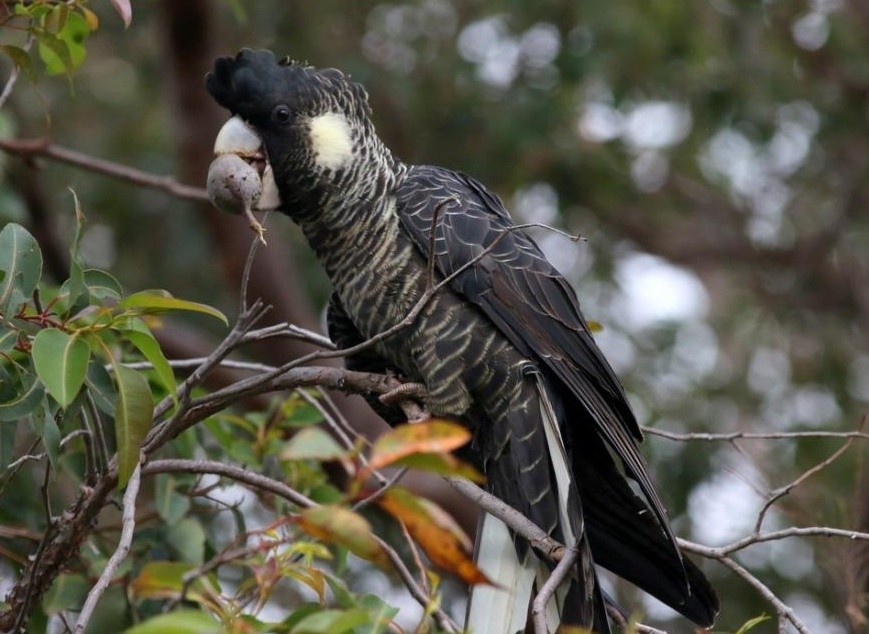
514 284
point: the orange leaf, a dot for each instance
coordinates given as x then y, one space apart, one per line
436 532
341 526
430 436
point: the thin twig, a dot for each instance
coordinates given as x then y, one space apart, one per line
743 435
776 494
233 472
282 490
126 539
291 331
516 521
558 575
785 533
248 266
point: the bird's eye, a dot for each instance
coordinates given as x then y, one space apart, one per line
281 114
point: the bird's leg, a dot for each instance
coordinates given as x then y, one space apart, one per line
407 396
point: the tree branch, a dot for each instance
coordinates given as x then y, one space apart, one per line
128 526
30 148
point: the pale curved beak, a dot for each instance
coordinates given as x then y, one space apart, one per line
239 139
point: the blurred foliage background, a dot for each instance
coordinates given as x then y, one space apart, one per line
713 155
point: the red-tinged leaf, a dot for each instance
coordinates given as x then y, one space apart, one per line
124 10
341 526
441 463
431 436
310 576
436 532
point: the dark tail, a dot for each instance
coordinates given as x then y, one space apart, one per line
627 540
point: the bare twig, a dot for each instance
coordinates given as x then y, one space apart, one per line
233 472
248 265
44 148
558 575
516 521
744 435
291 331
776 494
129 524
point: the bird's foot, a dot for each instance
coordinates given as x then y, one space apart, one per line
404 392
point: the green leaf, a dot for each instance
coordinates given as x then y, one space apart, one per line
331 622
148 346
7 445
158 302
179 622
8 339
19 57
68 591
61 362
75 286
102 285
133 414
64 52
54 52
101 387
381 612
171 505
25 402
51 438
20 265
312 443
187 537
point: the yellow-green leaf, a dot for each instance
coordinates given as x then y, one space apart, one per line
752 623
61 361
155 302
441 463
132 418
165 580
341 526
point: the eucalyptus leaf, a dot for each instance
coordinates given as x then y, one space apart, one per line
61 361
20 266
133 413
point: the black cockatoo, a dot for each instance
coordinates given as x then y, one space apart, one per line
503 347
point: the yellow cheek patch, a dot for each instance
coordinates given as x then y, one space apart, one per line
330 140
